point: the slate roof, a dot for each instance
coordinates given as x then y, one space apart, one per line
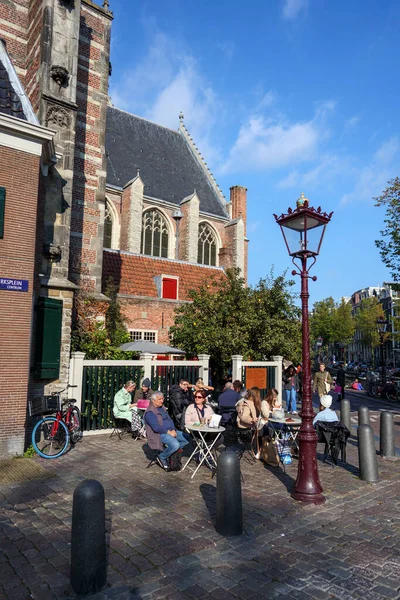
10 103
167 166
134 274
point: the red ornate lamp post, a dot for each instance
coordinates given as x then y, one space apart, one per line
303 230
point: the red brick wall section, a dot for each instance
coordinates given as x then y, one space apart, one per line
32 85
14 31
134 274
19 174
89 164
150 315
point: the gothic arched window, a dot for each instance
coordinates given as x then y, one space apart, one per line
207 246
108 225
154 234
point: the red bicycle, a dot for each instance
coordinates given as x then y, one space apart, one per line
52 434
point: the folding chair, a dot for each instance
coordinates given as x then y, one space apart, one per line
119 427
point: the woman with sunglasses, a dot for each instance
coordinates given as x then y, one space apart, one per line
199 412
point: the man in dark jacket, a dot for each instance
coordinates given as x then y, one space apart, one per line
145 392
179 399
227 403
161 431
341 380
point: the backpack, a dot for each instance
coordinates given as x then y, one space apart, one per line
175 461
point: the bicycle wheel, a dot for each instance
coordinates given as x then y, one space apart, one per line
391 395
74 425
50 437
374 390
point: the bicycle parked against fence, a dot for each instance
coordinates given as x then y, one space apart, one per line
390 391
52 434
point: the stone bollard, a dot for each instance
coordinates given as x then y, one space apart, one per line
345 413
88 538
229 519
363 415
367 460
387 445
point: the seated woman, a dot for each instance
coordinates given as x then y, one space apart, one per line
123 404
200 385
246 409
199 411
270 407
356 385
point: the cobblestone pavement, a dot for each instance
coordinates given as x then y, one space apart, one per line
162 540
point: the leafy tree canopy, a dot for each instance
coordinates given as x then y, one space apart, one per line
99 338
369 311
321 320
389 246
227 318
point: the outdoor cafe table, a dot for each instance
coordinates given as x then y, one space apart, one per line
291 425
203 446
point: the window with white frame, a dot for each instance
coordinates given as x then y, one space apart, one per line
207 246
154 234
143 335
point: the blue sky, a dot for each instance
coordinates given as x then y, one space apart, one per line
283 97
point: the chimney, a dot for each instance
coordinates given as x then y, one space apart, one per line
238 200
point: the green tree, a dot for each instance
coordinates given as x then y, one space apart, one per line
226 318
344 324
389 246
368 313
322 321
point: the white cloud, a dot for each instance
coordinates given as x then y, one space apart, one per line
292 8
227 48
372 178
326 170
275 142
351 123
164 82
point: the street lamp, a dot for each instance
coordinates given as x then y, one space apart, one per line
177 216
382 324
303 230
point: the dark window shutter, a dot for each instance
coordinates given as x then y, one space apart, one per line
2 210
169 288
48 338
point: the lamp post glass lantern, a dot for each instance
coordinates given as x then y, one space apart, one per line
303 230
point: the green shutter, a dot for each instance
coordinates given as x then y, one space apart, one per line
48 338
2 210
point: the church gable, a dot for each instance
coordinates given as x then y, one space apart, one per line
167 165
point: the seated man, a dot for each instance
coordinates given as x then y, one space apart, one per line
145 392
161 431
179 399
122 408
227 403
326 414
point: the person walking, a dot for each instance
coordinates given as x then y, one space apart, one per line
291 387
341 380
322 381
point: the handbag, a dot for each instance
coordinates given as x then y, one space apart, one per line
327 385
283 450
269 453
337 389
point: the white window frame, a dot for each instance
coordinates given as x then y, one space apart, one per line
143 332
218 244
177 287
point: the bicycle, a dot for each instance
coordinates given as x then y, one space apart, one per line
52 434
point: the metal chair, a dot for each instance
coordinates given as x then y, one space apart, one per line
119 427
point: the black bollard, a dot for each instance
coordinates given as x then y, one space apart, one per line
387 445
229 520
363 415
367 460
345 413
88 538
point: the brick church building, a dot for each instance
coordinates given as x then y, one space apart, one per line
90 193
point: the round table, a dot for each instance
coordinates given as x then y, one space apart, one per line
203 447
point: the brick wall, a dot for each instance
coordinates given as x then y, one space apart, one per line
14 31
150 315
19 174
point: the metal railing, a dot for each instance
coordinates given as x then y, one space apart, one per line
99 386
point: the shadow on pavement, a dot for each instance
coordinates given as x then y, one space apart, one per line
209 493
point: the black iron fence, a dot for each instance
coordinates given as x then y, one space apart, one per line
100 384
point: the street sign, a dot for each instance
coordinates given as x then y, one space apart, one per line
14 285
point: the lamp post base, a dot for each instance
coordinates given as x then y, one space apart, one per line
308 498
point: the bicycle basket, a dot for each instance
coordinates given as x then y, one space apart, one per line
44 404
